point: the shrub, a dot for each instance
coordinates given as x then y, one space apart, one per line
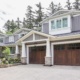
6 52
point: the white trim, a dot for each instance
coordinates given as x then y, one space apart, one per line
76 15
52 53
66 42
28 46
35 41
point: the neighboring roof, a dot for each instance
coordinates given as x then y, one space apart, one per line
21 30
36 32
61 13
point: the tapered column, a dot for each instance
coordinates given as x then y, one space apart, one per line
17 50
48 58
17 54
48 52
23 55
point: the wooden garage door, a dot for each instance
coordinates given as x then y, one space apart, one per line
67 54
37 55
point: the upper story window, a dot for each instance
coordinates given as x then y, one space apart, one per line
58 24
65 22
52 24
11 38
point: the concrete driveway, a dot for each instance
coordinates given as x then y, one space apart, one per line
39 72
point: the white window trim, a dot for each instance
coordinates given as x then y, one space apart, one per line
55 22
11 38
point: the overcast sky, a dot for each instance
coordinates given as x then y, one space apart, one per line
16 8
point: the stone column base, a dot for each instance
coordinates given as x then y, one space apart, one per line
17 56
24 60
48 61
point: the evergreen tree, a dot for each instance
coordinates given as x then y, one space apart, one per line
18 22
10 26
39 13
52 8
68 5
29 17
24 23
59 7
76 4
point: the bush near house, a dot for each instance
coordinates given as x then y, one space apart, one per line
6 60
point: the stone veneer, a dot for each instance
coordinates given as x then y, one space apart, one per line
24 60
48 61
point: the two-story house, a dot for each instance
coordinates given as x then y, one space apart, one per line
57 44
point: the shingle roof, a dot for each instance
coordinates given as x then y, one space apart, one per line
68 34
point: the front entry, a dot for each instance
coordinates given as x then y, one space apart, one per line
37 55
67 54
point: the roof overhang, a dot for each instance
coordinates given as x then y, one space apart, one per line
70 12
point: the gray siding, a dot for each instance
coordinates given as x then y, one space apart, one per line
16 37
46 28
6 40
76 23
38 37
30 38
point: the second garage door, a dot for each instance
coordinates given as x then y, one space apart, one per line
37 55
67 54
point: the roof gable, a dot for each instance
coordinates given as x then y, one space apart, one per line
38 36
61 13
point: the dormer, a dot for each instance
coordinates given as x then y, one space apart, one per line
60 25
61 22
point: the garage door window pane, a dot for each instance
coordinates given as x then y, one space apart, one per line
59 47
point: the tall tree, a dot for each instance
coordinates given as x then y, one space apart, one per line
18 22
68 5
29 17
10 26
76 4
59 7
52 8
24 23
39 13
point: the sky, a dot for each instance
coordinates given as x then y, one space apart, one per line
11 9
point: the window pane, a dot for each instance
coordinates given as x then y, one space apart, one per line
65 22
58 23
52 25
